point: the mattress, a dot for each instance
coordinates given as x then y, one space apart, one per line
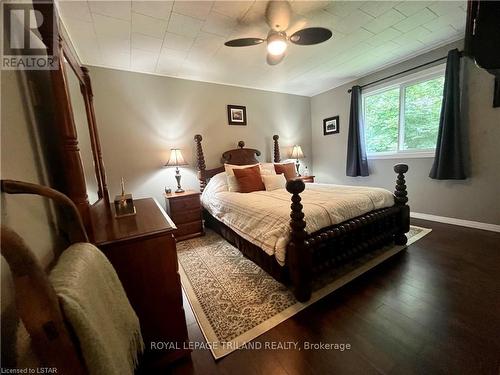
263 217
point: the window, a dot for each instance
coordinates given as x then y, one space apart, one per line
402 117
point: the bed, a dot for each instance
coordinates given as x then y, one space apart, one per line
298 233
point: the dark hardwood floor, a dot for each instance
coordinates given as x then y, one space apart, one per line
433 309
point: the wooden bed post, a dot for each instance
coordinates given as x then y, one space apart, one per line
276 148
201 162
401 198
297 252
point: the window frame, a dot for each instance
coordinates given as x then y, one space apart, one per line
402 83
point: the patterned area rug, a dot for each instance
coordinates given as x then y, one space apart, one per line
235 301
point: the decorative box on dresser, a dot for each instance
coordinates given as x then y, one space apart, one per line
142 249
306 179
185 211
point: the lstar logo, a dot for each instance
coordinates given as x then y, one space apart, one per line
22 46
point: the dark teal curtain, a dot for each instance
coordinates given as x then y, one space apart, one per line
449 159
357 164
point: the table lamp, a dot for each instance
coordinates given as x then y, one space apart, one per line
176 160
297 154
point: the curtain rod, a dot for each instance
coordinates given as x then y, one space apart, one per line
461 53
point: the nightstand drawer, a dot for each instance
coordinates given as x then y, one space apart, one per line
183 204
185 211
188 228
182 217
306 179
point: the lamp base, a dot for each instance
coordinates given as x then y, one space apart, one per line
178 178
297 165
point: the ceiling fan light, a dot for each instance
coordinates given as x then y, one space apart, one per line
276 47
276 43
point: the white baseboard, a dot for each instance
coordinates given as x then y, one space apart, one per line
453 221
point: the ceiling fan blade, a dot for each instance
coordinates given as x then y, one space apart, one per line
275 59
311 35
278 14
244 42
296 23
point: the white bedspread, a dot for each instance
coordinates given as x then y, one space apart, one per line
263 217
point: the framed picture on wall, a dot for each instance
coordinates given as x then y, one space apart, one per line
236 114
331 125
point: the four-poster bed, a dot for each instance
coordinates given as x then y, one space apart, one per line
308 254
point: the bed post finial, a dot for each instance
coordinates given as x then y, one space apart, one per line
298 254
276 148
200 162
400 199
400 193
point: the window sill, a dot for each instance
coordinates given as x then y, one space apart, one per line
402 155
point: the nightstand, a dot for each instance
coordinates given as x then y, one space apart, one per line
185 211
306 179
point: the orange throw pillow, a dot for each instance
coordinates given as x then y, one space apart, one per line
287 169
249 179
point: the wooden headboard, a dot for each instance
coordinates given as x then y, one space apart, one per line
237 156
241 155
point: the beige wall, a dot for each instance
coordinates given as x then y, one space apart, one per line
22 159
140 117
473 199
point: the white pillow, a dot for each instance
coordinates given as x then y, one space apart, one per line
229 168
274 182
232 182
267 169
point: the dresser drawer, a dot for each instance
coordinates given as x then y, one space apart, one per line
188 203
142 250
188 228
188 216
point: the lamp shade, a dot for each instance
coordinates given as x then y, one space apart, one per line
297 152
176 158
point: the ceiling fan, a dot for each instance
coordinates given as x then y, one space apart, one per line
278 16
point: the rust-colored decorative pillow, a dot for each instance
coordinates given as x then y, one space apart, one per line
287 169
249 179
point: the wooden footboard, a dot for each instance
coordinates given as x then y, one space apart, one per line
308 255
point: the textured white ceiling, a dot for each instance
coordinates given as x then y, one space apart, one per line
185 39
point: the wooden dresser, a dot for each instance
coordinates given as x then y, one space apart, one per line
142 249
185 211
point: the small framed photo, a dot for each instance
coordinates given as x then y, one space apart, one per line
331 125
236 114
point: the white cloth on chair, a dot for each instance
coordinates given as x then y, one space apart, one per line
96 306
